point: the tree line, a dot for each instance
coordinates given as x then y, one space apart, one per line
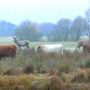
64 30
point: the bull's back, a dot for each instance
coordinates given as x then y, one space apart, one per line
52 48
7 50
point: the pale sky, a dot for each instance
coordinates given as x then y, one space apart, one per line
15 11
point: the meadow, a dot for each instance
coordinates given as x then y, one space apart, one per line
67 45
39 71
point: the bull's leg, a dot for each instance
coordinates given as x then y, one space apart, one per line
19 46
27 46
61 50
78 47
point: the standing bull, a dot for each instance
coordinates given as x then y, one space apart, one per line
51 48
7 50
21 43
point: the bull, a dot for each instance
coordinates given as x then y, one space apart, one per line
7 51
85 45
56 48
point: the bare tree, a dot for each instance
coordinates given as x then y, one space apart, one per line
88 21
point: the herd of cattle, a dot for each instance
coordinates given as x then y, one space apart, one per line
10 50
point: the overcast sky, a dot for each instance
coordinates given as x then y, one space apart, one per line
16 11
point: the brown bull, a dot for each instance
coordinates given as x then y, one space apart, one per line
85 45
86 48
7 50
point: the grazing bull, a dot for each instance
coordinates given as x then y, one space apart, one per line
21 43
84 44
86 48
51 48
7 50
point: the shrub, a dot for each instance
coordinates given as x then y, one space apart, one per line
12 71
55 83
29 69
65 68
88 75
87 64
79 77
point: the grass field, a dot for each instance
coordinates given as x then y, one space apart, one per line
39 71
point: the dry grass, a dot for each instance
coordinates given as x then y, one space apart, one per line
31 82
51 71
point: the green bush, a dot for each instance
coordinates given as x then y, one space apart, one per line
87 64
